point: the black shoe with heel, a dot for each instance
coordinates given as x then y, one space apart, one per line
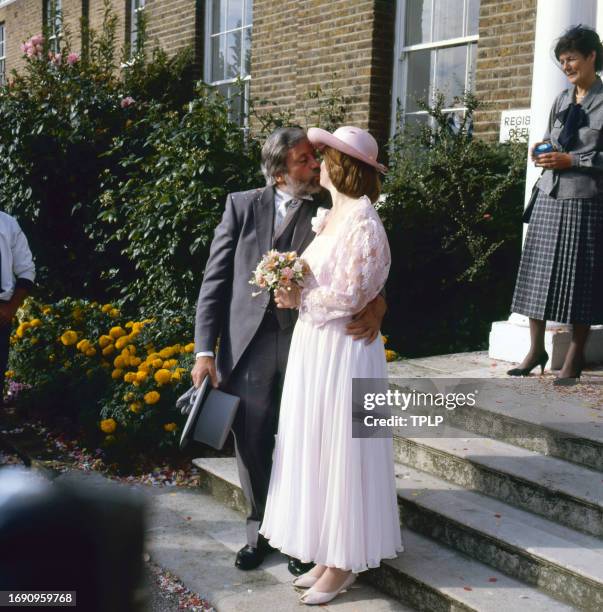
541 361
567 381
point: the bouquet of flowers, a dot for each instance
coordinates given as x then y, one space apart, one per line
279 270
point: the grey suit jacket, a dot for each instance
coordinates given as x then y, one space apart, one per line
585 178
225 308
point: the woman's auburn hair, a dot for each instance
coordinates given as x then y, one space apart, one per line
351 176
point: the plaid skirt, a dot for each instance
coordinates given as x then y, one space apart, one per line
560 275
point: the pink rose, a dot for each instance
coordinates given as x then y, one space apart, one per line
56 58
36 40
287 273
73 58
127 102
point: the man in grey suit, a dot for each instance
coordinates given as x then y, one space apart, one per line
253 335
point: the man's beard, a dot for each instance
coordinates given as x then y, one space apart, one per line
299 189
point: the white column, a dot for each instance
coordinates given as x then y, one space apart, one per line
509 340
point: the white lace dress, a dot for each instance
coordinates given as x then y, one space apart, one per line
332 498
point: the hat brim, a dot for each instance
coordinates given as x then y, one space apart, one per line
320 138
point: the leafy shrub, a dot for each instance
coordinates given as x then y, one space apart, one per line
119 379
452 210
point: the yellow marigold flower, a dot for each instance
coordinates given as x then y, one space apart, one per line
136 383
108 426
152 397
114 313
170 363
176 376
129 396
189 348
144 367
134 334
141 375
69 337
129 324
105 364
108 350
52 358
117 374
130 377
135 407
35 322
157 363
390 355
131 349
77 313
137 326
91 352
177 348
34 340
162 376
166 353
9 373
385 339
119 362
105 340
67 364
46 310
135 361
169 427
121 342
106 307
117 332
83 345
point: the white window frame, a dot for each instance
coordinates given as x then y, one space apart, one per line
401 63
52 23
135 13
2 53
207 63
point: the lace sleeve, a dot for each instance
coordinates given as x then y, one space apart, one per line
356 274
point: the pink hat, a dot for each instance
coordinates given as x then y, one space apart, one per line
350 140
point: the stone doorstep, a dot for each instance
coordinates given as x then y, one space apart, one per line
561 491
194 536
532 414
427 575
563 562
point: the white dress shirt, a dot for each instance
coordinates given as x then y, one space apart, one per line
17 267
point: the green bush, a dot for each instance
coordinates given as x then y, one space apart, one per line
453 213
117 379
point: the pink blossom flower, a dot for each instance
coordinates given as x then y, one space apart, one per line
36 40
127 102
287 273
56 58
73 58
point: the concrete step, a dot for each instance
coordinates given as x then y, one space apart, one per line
561 491
195 537
565 563
532 413
428 575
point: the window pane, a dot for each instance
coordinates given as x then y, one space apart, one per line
235 101
418 22
472 66
249 12
235 14
450 72
418 78
448 20
218 13
233 54
217 59
247 44
472 17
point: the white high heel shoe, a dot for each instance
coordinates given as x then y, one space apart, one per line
305 581
316 598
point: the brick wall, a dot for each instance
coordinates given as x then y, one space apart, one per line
504 60
299 44
173 24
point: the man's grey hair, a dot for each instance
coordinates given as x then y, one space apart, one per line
275 150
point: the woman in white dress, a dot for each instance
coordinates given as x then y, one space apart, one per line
332 498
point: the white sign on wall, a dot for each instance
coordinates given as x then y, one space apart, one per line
514 124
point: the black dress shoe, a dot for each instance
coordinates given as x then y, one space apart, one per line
250 557
541 361
297 568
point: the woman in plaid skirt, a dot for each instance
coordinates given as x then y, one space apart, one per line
560 276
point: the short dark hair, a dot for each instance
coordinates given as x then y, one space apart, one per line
351 176
584 40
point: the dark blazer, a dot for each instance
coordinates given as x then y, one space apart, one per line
226 309
585 178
